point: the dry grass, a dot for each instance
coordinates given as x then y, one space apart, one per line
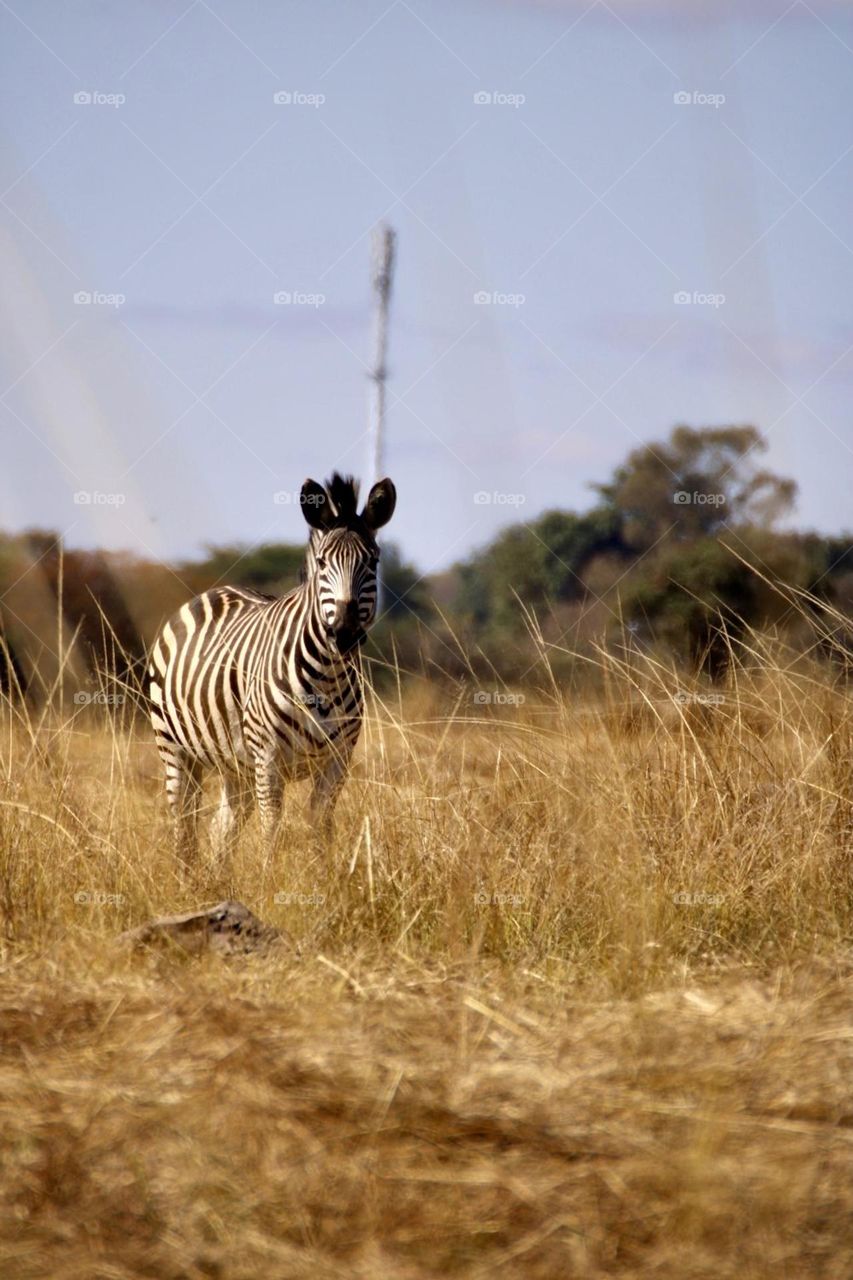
573 999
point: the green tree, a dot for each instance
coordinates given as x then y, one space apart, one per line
692 484
537 563
273 567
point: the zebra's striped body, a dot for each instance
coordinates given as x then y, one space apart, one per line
267 691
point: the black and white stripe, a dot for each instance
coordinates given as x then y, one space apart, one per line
267 690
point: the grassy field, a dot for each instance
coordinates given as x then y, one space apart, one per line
571 997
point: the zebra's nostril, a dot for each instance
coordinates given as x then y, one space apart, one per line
347 615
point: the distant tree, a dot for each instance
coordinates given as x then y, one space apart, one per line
692 484
273 567
569 542
653 538
404 590
537 563
697 596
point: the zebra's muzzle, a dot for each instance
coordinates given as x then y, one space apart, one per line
347 628
347 640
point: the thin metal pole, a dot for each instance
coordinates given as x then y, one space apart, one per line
381 279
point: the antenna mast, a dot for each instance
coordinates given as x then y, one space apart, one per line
381 278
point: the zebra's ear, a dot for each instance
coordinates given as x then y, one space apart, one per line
316 507
380 504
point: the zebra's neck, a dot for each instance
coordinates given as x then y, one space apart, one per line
309 659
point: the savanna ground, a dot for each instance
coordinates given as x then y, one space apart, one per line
572 997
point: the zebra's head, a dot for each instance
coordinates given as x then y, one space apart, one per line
342 553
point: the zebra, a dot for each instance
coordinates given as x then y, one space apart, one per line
268 690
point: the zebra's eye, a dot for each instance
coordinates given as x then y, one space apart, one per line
321 562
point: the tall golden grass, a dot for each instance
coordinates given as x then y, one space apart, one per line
572 995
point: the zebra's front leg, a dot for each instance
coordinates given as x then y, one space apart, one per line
183 790
227 822
324 796
269 784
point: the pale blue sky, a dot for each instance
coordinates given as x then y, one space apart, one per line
597 198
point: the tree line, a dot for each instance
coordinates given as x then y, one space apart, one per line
684 547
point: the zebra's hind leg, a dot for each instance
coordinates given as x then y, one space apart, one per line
183 790
234 806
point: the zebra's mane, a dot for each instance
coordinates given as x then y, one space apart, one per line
343 490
